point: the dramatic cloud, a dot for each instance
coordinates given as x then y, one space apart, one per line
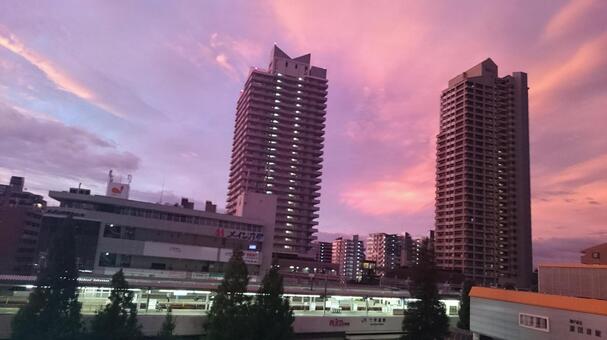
34 147
87 87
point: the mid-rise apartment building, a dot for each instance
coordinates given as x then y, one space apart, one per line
385 250
349 255
483 219
20 214
278 145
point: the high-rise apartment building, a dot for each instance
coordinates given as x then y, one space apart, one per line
483 220
278 145
385 250
349 255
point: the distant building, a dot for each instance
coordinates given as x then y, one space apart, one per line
278 145
20 214
483 209
385 250
349 255
412 248
323 251
161 241
595 255
509 314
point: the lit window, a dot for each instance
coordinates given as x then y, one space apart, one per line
291 195
271 156
280 74
289 209
295 146
288 232
280 81
274 121
297 118
296 125
278 87
291 181
289 224
299 85
268 192
272 142
298 91
298 105
298 98
293 167
292 174
274 128
287 247
295 138
276 101
289 202
273 135
289 217
276 108
297 111
291 188
293 160
275 114
295 131
300 78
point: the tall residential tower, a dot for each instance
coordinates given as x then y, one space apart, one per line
483 210
278 145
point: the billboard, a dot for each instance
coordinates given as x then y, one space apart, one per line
118 190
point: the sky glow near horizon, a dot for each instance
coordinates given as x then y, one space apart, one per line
149 88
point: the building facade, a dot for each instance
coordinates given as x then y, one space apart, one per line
507 314
20 214
161 241
385 250
483 219
278 145
323 251
579 280
349 255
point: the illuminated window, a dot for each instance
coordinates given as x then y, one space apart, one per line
268 192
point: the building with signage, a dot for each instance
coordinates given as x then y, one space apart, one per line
157 240
20 213
508 314
278 145
483 209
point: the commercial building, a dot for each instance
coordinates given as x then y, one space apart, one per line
385 250
349 255
278 145
160 241
483 220
507 314
20 214
580 280
595 255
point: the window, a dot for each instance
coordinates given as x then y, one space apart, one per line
596 255
597 333
534 322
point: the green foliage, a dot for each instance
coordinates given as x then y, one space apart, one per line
464 306
272 314
53 310
168 326
229 317
118 319
426 318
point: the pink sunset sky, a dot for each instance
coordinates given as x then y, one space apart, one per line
149 88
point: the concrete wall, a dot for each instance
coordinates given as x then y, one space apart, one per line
574 281
368 327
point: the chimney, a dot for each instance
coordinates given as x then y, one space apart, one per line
210 207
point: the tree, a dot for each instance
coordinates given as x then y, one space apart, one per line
273 318
168 326
118 319
464 306
425 318
229 315
53 310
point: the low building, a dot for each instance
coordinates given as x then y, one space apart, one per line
161 241
595 255
507 315
580 280
20 214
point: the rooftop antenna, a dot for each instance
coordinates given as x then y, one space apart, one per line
162 191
